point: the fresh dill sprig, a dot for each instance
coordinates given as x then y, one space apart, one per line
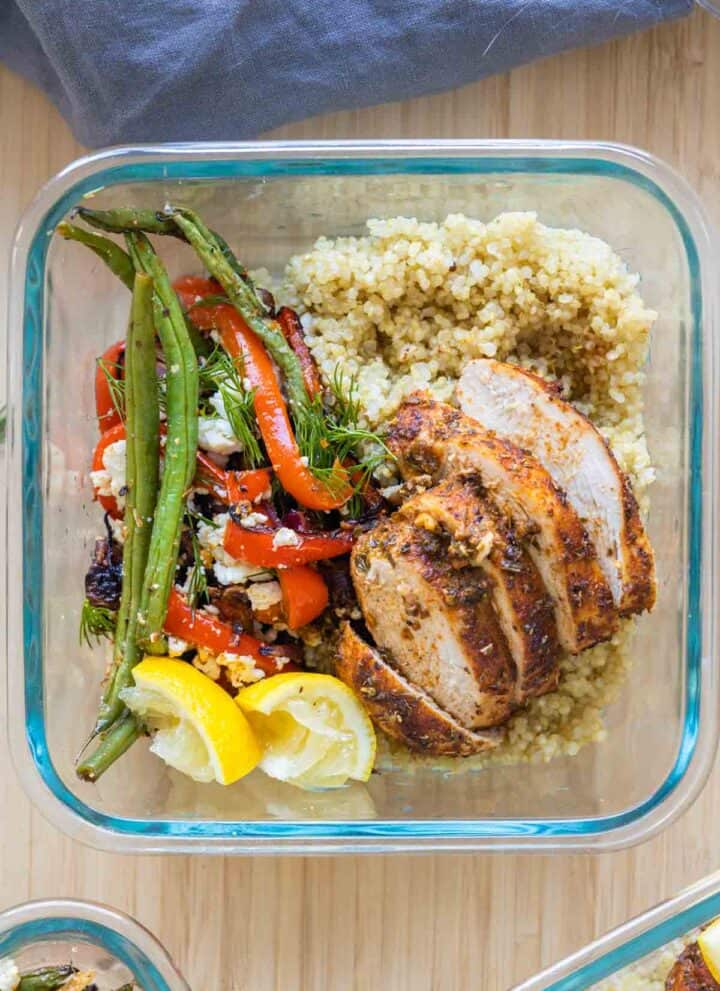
96 622
197 586
3 423
116 386
219 373
330 434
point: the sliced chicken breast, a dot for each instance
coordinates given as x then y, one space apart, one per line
691 973
402 710
481 537
432 438
523 408
435 620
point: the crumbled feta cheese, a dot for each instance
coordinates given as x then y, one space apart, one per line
234 574
240 668
214 432
9 974
285 537
110 480
227 570
264 595
119 530
176 646
252 520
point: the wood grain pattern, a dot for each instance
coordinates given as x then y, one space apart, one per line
405 923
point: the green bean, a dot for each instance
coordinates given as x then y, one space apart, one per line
46 978
142 472
180 447
246 303
113 744
128 219
117 260
235 263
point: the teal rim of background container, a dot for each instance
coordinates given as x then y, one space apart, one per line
71 929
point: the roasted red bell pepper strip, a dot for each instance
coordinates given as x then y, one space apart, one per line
259 546
273 420
192 288
248 486
232 486
109 437
111 361
204 630
305 595
295 336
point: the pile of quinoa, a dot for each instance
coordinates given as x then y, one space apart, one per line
650 973
408 305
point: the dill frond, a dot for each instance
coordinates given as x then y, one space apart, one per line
330 433
197 586
116 386
219 373
96 623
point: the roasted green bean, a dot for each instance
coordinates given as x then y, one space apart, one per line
180 448
113 744
128 219
245 301
142 473
46 978
117 260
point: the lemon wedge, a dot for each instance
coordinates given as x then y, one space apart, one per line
313 731
196 726
709 943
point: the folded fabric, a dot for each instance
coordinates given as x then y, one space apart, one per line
181 70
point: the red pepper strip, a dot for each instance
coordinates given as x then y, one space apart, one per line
192 288
295 336
112 359
110 436
243 345
247 486
256 546
232 486
305 595
204 630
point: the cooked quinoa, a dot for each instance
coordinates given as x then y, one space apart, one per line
408 305
648 974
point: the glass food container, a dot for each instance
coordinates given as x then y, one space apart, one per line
271 200
636 945
91 936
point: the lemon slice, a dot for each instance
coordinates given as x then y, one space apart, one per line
196 726
313 730
709 943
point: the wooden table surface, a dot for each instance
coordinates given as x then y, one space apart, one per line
398 923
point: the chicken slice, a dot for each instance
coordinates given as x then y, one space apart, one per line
524 609
402 710
525 409
431 438
690 972
435 620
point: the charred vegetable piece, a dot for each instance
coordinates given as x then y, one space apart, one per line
293 333
103 581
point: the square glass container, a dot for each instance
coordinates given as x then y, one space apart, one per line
633 944
271 200
91 936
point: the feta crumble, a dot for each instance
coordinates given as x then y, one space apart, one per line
176 646
111 480
285 537
214 432
227 570
264 595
